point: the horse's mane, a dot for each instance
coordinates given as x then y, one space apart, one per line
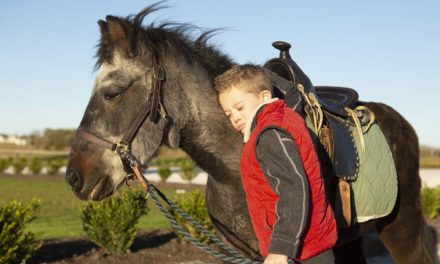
162 38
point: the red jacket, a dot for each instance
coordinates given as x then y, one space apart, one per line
320 233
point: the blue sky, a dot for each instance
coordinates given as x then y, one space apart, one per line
387 50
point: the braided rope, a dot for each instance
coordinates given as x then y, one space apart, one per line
153 191
198 226
235 257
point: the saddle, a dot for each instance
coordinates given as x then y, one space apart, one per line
332 112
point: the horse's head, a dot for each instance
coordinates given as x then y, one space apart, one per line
123 88
130 58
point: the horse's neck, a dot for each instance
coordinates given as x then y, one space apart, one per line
205 132
215 151
209 138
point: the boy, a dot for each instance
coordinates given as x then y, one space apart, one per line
280 171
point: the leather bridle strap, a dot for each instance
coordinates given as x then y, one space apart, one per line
159 76
95 139
137 123
150 108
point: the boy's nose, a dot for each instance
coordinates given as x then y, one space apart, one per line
236 119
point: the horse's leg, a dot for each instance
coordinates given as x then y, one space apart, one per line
407 237
404 232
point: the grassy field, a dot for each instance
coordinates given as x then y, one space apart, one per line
430 162
59 215
13 151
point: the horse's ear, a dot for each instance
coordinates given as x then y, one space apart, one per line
119 33
103 27
105 46
105 37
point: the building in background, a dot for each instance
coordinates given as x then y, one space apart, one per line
14 140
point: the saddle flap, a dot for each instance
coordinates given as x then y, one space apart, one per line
344 153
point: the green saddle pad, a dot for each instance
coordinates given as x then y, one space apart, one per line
375 190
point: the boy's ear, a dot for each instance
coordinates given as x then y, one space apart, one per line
265 95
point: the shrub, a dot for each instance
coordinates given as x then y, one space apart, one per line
430 202
188 170
194 204
35 165
164 172
166 160
54 165
4 164
111 224
16 246
19 165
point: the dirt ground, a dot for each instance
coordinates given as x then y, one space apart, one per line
161 246
153 247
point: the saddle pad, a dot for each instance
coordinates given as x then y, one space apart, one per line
375 190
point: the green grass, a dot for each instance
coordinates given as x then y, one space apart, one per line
59 215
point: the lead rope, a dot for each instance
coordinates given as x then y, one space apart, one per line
235 257
153 192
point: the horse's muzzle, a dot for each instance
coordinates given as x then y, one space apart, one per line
96 190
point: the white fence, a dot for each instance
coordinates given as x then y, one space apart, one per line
430 177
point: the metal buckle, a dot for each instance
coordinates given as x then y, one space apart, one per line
129 179
121 147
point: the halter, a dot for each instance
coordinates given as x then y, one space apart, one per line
122 147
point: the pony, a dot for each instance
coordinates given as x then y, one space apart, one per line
192 119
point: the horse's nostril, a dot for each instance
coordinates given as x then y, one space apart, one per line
74 179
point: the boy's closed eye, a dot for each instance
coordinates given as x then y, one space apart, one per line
239 106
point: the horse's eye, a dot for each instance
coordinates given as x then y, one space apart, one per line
112 96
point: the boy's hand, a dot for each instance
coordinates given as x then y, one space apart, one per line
275 259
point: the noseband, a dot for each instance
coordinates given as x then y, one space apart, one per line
122 147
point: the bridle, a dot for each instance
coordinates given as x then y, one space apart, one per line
151 109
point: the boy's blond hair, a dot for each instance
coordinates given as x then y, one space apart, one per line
252 76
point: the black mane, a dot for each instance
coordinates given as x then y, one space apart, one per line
162 38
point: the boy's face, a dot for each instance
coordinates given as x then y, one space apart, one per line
238 104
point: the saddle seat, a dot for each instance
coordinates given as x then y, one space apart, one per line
331 98
334 99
